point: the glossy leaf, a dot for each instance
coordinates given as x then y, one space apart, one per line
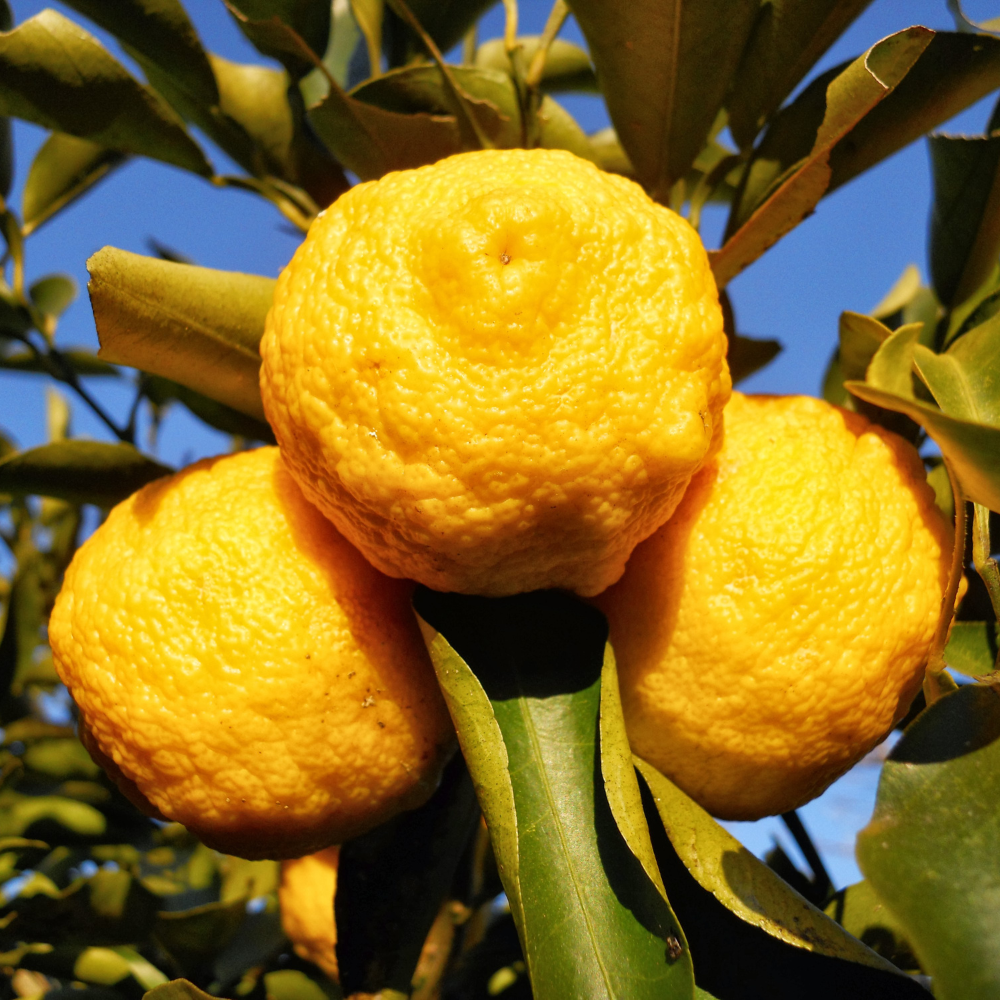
79 471
664 69
972 648
64 168
955 70
965 231
392 882
267 24
567 66
930 851
163 391
591 921
56 75
787 40
791 171
194 325
446 21
161 33
742 883
750 933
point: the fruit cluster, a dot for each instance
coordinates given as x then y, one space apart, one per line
499 373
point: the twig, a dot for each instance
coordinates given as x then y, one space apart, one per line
821 878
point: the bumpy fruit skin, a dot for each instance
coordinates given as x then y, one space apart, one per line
774 630
305 895
242 667
496 373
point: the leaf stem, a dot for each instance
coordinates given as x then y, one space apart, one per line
821 878
986 565
557 17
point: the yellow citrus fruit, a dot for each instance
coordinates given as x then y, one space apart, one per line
306 896
774 630
242 668
498 372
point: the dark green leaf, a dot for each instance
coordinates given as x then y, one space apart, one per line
608 154
446 21
788 38
748 355
965 221
860 338
82 362
53 294
592 922
954 71
158 32
392 882
790 171
664 69
972 647
567 66
79 471
750 934
63 169
194 325
930 851
858 909
162 391
193 937
267 24
56 75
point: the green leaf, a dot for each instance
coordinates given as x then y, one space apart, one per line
965 381
82 362
446 21
954 71
267 24
194 937
790 171
591 921
787 40
56 75
392 882
965 231
972 647
750 933
177 989
859 911
607 152
665 69
79 471
60 759
748 355
567 66
162 391
18 813
64 168
742 883
860 338
54 294
931 848
190 324
161 33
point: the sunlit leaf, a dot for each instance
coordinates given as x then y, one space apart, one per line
64 168
953 72
788 38
79 471
18 813
56 75
527 722
972 647
64 758
194 325
791 171
859 911
930 849
392 882
567 66
665 69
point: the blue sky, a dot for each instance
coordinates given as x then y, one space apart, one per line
844 257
